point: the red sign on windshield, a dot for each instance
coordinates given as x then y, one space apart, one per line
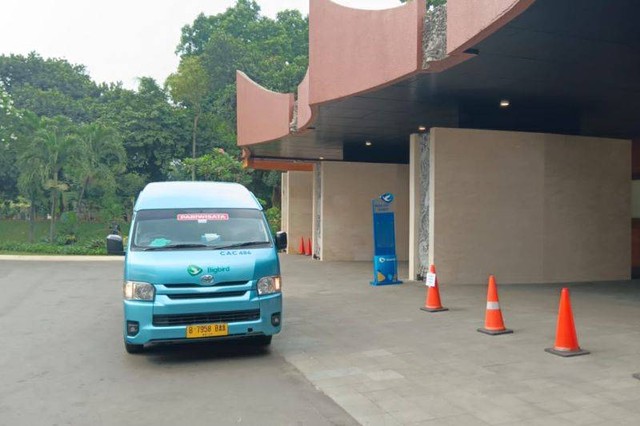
203 216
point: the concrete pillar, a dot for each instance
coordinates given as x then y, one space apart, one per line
317 211
414 204
296 208
284 203
419 162
344 194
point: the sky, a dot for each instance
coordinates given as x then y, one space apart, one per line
120 40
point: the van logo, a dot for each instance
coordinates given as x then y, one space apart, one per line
194 270
206 279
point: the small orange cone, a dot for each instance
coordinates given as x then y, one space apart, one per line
566 338
301 246
432 303
493 322
308 252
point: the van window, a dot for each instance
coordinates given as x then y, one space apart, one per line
168 229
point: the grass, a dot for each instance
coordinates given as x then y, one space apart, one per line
14 239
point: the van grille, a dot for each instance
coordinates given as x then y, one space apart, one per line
217 284
210 317
207 295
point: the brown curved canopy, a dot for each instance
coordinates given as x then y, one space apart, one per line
565 67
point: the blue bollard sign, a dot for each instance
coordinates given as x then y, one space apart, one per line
385 265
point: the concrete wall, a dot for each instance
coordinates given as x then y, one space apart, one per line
297 204
347 191
529 207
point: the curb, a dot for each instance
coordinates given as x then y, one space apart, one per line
59 258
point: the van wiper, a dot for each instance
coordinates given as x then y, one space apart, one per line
176 246
245 244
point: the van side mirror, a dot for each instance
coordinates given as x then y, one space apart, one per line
114 245
281 240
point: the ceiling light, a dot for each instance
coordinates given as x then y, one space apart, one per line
504 103
320 158
422 128
368 143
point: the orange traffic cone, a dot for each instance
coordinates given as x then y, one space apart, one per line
301 246
308 248
493 322
566 338
432 303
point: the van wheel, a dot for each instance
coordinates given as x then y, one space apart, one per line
133 349
262 340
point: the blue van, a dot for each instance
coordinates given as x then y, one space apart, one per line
200 264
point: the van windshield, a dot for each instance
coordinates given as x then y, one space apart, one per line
176 229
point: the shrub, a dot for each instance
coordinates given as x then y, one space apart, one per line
43 248
68 224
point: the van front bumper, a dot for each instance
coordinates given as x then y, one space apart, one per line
261 323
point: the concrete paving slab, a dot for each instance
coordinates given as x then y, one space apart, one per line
442 371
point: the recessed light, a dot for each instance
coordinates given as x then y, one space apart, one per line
368 143
504 103
320 158
422 128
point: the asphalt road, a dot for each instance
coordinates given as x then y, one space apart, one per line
62 362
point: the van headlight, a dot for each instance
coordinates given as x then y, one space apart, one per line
136 290
269 285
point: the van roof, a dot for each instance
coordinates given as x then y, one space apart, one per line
170 195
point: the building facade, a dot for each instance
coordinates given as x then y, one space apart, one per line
504 129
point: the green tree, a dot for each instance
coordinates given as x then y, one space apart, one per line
188 87
236 21
9 120
49 87
153 132
43 158
30 178
217 166
273 52
99 156
129 186
7 111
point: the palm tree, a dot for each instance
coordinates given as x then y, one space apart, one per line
30 185
45 155
31 177
98 157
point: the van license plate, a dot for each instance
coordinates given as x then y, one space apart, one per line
207 330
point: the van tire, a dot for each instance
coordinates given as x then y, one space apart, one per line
262 340
133 349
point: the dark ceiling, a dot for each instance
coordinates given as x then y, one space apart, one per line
566 66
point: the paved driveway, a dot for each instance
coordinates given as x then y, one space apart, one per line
370 349
62 362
